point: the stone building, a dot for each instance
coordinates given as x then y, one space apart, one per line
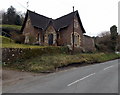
41 30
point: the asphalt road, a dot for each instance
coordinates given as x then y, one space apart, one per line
99 78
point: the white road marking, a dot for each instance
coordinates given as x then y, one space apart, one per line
80 79
108 67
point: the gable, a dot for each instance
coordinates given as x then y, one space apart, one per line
28 22
66 20
38 20
50 29
76 23
63 21
77 26
78 20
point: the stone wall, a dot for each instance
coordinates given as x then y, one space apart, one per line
38 36
89 44
10 55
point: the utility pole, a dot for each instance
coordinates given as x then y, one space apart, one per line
73 32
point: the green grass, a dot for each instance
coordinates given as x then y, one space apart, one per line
6 40
9 43
16 27
47 63
14 45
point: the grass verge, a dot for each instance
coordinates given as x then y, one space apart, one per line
49 63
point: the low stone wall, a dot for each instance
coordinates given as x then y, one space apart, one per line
10 55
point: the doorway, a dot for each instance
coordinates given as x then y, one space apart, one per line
50 39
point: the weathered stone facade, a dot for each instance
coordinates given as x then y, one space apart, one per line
30 32
66 34
50 30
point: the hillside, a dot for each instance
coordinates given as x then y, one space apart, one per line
7 30
14 27
6 40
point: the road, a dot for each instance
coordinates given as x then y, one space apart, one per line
98 78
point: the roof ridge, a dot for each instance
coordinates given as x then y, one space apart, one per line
38 14
52 18
66 15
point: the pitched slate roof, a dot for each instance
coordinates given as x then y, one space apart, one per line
38 20
42 22
66 20
63 21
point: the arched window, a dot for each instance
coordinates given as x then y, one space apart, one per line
26 39
76 39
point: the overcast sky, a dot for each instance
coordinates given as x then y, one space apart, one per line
96 15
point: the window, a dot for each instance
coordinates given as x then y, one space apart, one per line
26 39
76 39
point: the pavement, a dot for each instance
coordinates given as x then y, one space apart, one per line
98 78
